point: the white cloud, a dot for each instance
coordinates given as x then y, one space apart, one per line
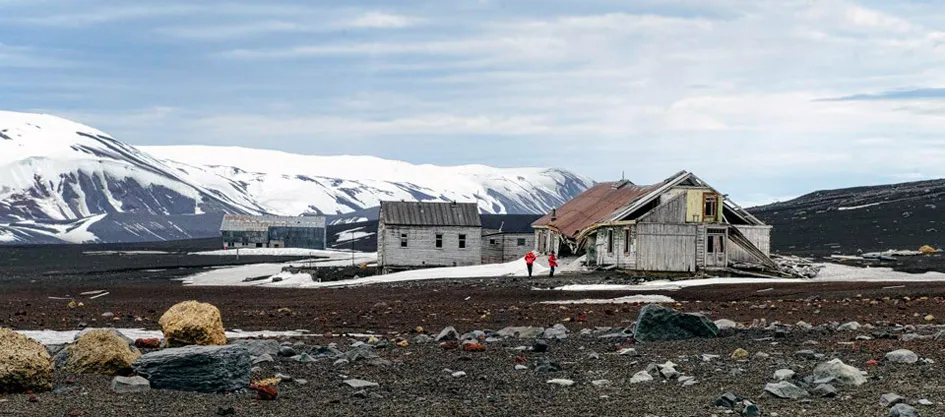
381 20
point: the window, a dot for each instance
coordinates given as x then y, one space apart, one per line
403 240
626 240
439 241
710 211
610 241
492 242
259 245
710 244
521 242
462 241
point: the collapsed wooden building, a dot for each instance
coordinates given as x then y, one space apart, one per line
680 225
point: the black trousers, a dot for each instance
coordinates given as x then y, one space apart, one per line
552 273
529 270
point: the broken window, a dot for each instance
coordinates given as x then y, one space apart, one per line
403 240
610 241
710 211
626 240
439 240
462 241
521 242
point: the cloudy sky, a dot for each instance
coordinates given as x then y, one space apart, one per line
764 99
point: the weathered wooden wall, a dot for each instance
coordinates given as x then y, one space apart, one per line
672 210
760 236
666 247
506 247
624 253
421 250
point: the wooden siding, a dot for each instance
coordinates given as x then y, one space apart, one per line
672 210
700 246
666 247
622 256
506 247
760 236
421 250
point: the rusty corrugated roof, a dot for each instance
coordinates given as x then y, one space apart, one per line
593 206
430 214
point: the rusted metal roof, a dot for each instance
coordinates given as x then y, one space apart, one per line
593 206
430 214
241 222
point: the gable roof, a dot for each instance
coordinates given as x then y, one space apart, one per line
404 213
592 206
509 223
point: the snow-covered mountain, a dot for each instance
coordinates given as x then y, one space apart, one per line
56 176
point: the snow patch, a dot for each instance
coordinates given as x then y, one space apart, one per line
858 207
631 299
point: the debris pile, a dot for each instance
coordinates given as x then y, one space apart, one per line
796 266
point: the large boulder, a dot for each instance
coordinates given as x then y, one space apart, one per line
24 364
836 370
209 369
657 322
100 351
193 323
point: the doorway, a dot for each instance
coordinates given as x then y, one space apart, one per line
715 248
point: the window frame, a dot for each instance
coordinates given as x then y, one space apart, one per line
403 240
462 241
438 241
521 241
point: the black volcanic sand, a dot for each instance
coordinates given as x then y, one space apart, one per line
416 384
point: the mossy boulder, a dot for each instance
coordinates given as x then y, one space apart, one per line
101 351
24 364
193 323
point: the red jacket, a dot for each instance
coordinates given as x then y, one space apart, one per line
552 261
530 258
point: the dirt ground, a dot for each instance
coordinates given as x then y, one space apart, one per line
416 383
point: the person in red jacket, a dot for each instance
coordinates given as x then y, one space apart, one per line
529 260
552 263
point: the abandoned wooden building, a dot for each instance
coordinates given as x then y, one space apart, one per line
678 225
428 234
507 237
245 231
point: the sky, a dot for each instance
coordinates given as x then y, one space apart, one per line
764 99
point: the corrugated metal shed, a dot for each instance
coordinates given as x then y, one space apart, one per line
241 222
592 206
430 214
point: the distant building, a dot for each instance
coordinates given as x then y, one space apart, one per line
679 225
507 237
424 234
244 231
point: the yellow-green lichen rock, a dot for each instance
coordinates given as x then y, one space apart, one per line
101 351
193 323
24 364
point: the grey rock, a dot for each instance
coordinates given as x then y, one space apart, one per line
628 352
903 410
547 365
641 377
804 326
726 324
657 322
522 332
864 338
287 352
286 378
130 385
303 358
842 373
361 353
849 327
909 337
422 339
360 383
783 374
926 402
473 335
54 349
902 356
727 400
265 358
751 410
520 367
260 347
341 362
207 369
301 381
558 331
891 399
600 383
690 383
593 356
562 382
65 390
805 354
825 391
458 374
786 390
447 334
540 346
762 355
